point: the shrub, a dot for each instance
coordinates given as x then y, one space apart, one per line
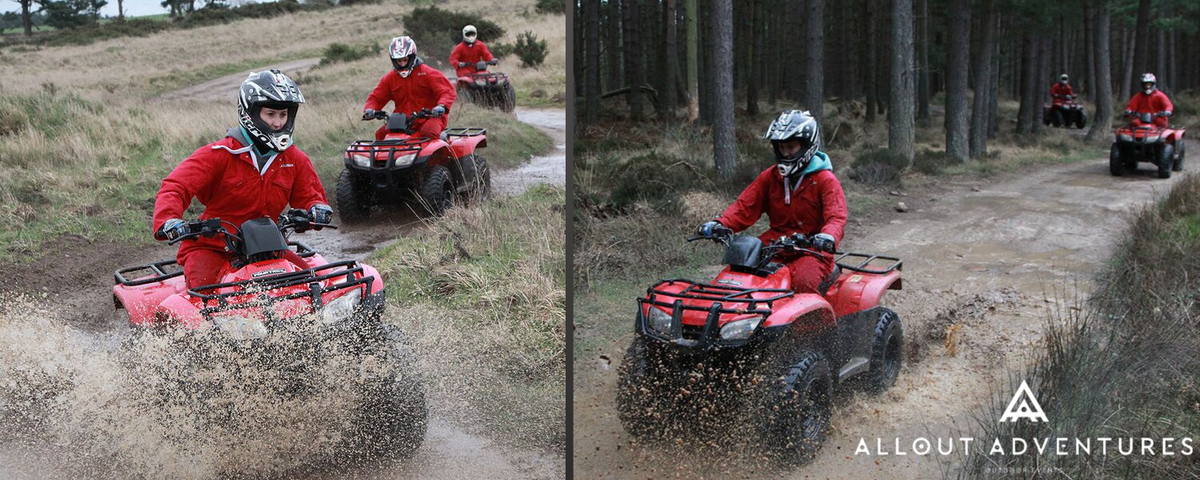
530 50
878 166
501 50
552 6
437 31
340 52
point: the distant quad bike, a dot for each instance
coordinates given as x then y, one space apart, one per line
487 89
429 174
1064 112
264 299
748 346
1143 141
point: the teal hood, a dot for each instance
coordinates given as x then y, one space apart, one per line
820 161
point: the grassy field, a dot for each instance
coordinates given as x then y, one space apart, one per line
84 143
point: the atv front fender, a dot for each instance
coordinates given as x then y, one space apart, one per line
464 146
178 309
804 305
369 271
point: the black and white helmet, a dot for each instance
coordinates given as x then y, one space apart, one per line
271 89
799 125
1149 78
403 52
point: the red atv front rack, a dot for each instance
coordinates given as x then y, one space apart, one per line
725 300
259 286
395 148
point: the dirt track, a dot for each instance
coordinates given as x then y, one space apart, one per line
450 451
1001 253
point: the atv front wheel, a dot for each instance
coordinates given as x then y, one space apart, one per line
478 178
1178 166
1080 119
508 99
644 399
1166 161
887 351
1056 117
1116 165
437 191
393 416
465 96
353 196
799 404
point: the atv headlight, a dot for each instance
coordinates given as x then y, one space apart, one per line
1125 137
340 308
241 328
361 160
1151 138
481 81
405 160
660 321
741 329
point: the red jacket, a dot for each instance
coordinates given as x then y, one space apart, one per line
425 87
817 206
471 54
1152 103
231 188
1058 90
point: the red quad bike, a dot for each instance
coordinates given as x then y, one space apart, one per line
1143 141
487 89
749 347
262 294
1064 112
431 174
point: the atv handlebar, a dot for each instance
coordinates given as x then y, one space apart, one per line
795 242
382 115
299 221
295 220
202 228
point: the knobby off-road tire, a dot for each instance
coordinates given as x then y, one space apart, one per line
508 99
465 95
353 197
796 405
437 191
1166 161
1179 151
1056 117
393 418
1080 119
645 400
478 178
887 352
1116 164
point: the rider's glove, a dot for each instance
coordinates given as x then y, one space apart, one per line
368 113
709 228
462 64
1129 113
823 242
174 228
1163 114
321 213
439 110
493 61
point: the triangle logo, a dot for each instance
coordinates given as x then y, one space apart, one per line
1024 405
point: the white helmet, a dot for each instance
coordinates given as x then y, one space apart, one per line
1152 80
1063 78
469 34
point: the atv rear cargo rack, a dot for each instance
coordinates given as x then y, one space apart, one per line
283 280
865 266
726 300
465 132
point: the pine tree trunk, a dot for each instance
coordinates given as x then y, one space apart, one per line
1127 80
983 77
1161 71
870 73
592 90
693 58
1089 53
633 60
669 95
901 127
958 52
814 72
1102 124
724 146
26 17
923 67
756 29
1141 60
612 44
1042 82
1029 68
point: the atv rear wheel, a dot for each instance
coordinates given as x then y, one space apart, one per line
887 351
644 400
393 416
478 178
1166 161
1178 166
799 404
353 196
437 191
1116 164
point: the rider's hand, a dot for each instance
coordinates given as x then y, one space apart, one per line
824 242
493 61
438 111
321 213
174 228
709 228
462 64
1163 114
1129 113
368 114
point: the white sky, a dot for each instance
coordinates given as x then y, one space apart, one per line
133 8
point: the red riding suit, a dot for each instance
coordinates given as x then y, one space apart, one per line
816 205
1153 103
1060 91
425 87
470 53
225 177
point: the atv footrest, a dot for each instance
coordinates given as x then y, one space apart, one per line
156 269
465 132
865 263
353 273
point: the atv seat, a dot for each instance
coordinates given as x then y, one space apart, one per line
828 282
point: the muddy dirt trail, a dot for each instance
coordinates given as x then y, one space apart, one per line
452 448
994 257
